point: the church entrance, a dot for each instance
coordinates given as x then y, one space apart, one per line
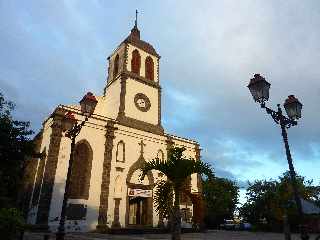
139 204
138 207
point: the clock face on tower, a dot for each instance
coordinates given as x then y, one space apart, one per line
142 102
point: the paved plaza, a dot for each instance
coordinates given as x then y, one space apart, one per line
214 235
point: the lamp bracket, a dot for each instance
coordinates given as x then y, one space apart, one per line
278 117
74 132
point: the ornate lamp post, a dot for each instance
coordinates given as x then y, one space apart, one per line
259 89
72 129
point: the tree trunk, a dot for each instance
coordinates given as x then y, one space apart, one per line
161 223
286 227
176 231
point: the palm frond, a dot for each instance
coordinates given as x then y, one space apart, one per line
154 164
177 168
163 198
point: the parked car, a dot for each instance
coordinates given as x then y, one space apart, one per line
230 225
245 226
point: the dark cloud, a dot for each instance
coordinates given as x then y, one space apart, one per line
242 184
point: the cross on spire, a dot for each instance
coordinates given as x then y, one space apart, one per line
136 21
142 145
135 33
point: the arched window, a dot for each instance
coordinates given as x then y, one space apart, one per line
81 171
149 74
116 66
117 187
160 155
120 155
135 62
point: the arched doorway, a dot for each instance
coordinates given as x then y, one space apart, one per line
139 207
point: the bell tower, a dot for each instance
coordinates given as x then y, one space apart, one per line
133 91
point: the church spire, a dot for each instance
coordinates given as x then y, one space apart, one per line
135 33
136 21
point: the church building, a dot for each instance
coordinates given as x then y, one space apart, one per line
123 133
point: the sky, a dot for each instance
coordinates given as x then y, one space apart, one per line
52 52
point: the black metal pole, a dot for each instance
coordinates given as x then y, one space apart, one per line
61 231
286 227
304 234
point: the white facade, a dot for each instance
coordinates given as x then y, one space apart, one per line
124 131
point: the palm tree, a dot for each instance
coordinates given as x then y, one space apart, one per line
177 169
163 197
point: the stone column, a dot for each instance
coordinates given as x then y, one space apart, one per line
105 184
116 222
123 83
159 107
170 143
38 180
50 169
199 180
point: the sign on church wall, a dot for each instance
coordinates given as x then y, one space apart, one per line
133 192
76 211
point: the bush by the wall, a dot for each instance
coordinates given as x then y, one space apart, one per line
11 223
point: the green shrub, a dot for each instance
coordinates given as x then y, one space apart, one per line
11 223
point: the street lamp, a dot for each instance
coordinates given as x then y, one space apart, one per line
72 129
259 89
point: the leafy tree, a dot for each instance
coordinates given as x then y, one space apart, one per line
221 196
177 169
11 223
271 200
15 145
